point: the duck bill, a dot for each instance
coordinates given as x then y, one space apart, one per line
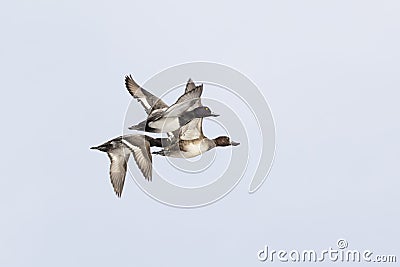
233 143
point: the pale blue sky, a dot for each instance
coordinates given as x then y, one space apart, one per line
330 72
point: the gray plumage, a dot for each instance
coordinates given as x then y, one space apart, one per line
119 150
163 118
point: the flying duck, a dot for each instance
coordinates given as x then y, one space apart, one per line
163 118
190 140
119 150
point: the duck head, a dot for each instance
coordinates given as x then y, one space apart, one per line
202 112
107 146
225 141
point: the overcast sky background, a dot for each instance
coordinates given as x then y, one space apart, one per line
329 70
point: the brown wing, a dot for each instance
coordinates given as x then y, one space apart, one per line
119 160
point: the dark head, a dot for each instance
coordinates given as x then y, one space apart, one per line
225 141
202 112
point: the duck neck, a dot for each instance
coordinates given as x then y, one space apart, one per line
214 141
188 116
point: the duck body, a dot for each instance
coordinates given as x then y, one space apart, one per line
194 147
163 118
187 148
164 122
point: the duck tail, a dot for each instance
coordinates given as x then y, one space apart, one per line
161 153
139 127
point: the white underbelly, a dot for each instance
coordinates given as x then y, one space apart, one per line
165 124
193 149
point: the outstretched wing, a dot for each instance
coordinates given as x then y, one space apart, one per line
190 94
148 100
189 85
185 102
119 159
194 128
140 149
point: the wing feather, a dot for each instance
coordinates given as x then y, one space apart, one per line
149 101
192 130
119 160
185 102
189 85
141 153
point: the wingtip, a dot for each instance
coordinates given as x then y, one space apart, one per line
128 79
131 85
